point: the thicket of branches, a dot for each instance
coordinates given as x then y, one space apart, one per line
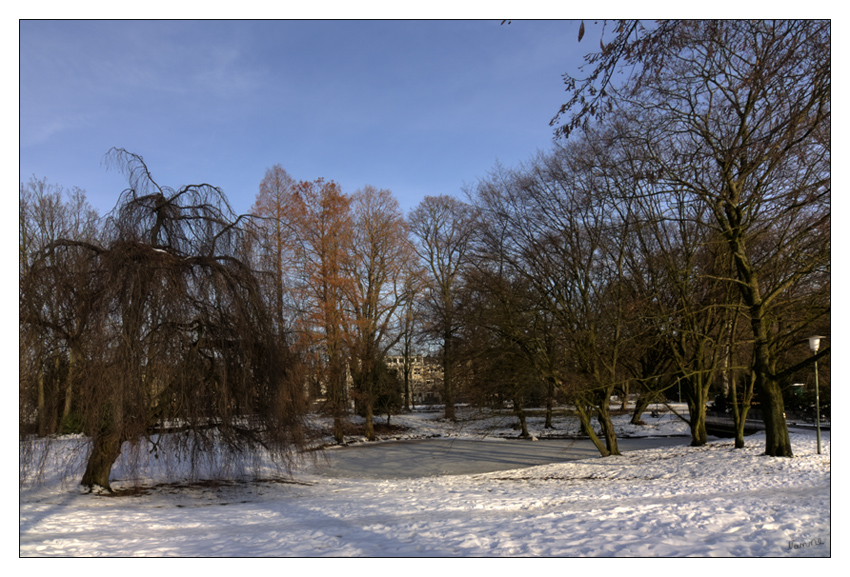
734 118
682 233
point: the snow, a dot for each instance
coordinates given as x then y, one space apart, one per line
710 501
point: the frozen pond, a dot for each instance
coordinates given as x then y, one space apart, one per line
427 457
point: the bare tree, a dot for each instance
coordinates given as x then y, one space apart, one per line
561 230
410 317
376 262
444 227
736 113
507 340
55 314
688 296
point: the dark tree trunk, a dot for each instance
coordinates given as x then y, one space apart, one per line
699 436
550 401
640 407
338 408
370 386
369 430
777 441
42 405
587 428
338 433
406 371
740 422
625 401
74 360
520 413
739 411
365 385
105 451
604 418
448 385
696 395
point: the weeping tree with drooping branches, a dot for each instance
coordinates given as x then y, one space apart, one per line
188 360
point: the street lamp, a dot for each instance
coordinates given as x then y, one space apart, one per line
814 345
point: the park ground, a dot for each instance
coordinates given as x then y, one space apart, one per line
679 501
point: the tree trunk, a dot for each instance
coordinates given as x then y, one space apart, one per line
364 383
739 412
337 408
640 407
520 413
105 451
584 418
625 401
696 394
604 418
338 433
448 393
66 409
73 372
740 422
369 431
550 401
727 353
406 371
778 441
699 436
42 405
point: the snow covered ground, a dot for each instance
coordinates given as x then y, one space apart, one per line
666 502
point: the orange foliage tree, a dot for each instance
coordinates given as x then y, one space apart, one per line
322 214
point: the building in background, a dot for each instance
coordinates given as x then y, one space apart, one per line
426 378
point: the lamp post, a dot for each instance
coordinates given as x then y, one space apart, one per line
814 345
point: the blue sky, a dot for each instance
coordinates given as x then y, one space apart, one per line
418 107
